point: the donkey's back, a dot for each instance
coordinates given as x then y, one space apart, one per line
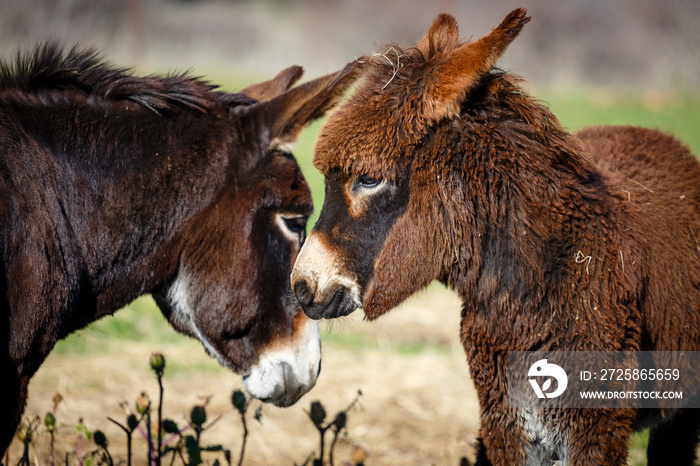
653 160
652 173
657 182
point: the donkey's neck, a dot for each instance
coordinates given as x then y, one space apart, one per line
537 210
128 180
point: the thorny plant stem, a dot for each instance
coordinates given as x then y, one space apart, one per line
128 431
128 448
79 451
322 431
335 438
149 438
160 420
110 461
51 449
245 437
25 454
336 430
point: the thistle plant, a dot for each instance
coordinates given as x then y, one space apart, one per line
193 446
240 402
317 414
157 362
183 443
132 422
101 441
26 435
50 424
83 433
143 407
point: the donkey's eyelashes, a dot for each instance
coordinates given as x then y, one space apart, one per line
295 224
366 181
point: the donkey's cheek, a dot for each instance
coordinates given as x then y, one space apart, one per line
407 263
178 299
381 297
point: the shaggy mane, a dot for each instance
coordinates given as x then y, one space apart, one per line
48 67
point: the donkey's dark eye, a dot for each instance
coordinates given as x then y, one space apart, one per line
295 224
293 227
366 181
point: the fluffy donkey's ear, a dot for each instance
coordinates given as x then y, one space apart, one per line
451 77
442 37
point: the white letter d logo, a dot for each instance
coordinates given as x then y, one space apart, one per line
542 369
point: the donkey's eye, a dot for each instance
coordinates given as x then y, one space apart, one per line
293 226
366 181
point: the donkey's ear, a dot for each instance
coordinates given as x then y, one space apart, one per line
290 112
442 36
268 89
452 77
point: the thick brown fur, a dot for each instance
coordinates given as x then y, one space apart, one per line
114 185
490 195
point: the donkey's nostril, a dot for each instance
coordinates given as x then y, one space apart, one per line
303 293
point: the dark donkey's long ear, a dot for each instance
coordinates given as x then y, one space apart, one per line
288 113
268 89
459 67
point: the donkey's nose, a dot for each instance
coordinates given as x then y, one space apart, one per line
303 293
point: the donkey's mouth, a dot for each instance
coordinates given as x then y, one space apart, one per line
281 384
341 304
284 373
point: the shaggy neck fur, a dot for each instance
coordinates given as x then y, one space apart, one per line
525 215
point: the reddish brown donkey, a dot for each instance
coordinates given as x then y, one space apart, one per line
441 167
112 186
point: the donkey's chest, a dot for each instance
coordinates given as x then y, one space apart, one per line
544 443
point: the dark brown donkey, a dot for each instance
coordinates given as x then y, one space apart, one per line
441 168
112 186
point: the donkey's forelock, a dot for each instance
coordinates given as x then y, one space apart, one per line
405 91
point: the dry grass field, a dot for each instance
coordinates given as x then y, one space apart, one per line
417 405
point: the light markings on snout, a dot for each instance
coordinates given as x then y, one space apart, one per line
321 268
284 373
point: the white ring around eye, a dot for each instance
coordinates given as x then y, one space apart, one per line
281 221
369 190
